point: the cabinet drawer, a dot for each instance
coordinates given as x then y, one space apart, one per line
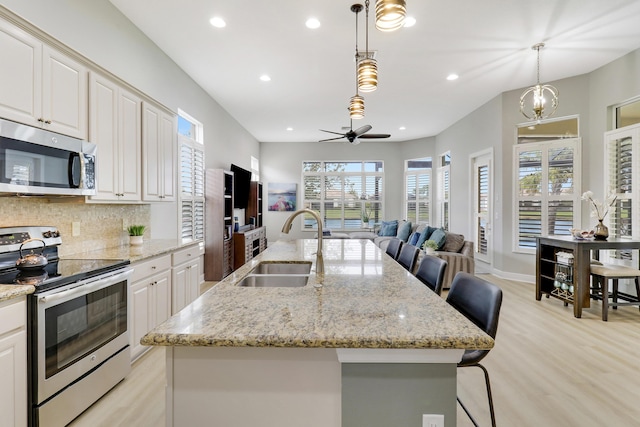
188 254
153 266
13 315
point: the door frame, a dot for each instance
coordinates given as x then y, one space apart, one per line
487 155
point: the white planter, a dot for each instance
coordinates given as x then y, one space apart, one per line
430 251
135 240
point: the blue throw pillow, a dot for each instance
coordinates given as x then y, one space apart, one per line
404 231
424 236
439 236
388 228
413 239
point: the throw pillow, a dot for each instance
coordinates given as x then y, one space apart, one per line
413 239
425 235
403 231
453 243
326 232
389 228
439 236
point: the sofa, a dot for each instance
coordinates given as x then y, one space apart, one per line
458 252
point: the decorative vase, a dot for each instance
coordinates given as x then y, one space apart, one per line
135 240
601 232
430 251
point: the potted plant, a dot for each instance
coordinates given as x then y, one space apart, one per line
135 234
365 216
430 247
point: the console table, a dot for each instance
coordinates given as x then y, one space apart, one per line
247 244
546 262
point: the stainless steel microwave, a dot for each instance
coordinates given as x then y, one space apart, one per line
35 161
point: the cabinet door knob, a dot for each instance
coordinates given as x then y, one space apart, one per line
40 119
48 122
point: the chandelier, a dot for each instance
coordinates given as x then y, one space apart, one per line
535 96
390 14
356 103
367 67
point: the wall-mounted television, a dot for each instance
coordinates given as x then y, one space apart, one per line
241 186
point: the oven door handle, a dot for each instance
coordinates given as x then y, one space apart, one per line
86 288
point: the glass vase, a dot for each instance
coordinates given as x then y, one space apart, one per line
601 232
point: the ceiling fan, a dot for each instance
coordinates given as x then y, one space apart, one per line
354 136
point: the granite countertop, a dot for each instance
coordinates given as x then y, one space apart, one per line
8 292
367 300
134 253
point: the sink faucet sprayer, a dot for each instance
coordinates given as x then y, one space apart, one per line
319 259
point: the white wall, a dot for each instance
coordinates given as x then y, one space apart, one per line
97 30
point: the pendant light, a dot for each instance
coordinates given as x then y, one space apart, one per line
390 14
356 103
536 109
367 67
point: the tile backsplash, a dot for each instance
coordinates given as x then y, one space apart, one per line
101 226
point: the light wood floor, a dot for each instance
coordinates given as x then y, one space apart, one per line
547 369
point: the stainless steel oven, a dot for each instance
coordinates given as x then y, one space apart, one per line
80 345
77 332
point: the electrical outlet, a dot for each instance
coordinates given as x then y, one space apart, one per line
432 420
75 228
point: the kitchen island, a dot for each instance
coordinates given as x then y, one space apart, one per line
372 346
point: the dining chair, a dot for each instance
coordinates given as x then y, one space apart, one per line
393 248
480 302
602 273
408 257
431 272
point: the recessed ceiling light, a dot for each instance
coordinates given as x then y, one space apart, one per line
289 128
312 23
402 128
217 22
409 21
452 77
265 78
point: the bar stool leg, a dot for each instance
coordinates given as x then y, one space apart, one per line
637 290
605 299
615 293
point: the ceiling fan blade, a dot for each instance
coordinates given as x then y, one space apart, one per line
362 129
375 135
330 131
331 139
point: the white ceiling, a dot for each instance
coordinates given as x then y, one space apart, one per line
488 43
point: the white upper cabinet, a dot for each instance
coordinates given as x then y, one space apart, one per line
115 123
42 87
159 133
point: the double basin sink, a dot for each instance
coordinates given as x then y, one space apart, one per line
273 274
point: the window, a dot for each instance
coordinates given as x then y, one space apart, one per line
191 215
255 169
547 190
622 176
417 179
341 192
444 188
627 114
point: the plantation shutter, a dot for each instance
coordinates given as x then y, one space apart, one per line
192 187
548 200
622 174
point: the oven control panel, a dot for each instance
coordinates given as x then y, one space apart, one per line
11 238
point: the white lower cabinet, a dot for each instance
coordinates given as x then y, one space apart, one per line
186 276
13 362
150 299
